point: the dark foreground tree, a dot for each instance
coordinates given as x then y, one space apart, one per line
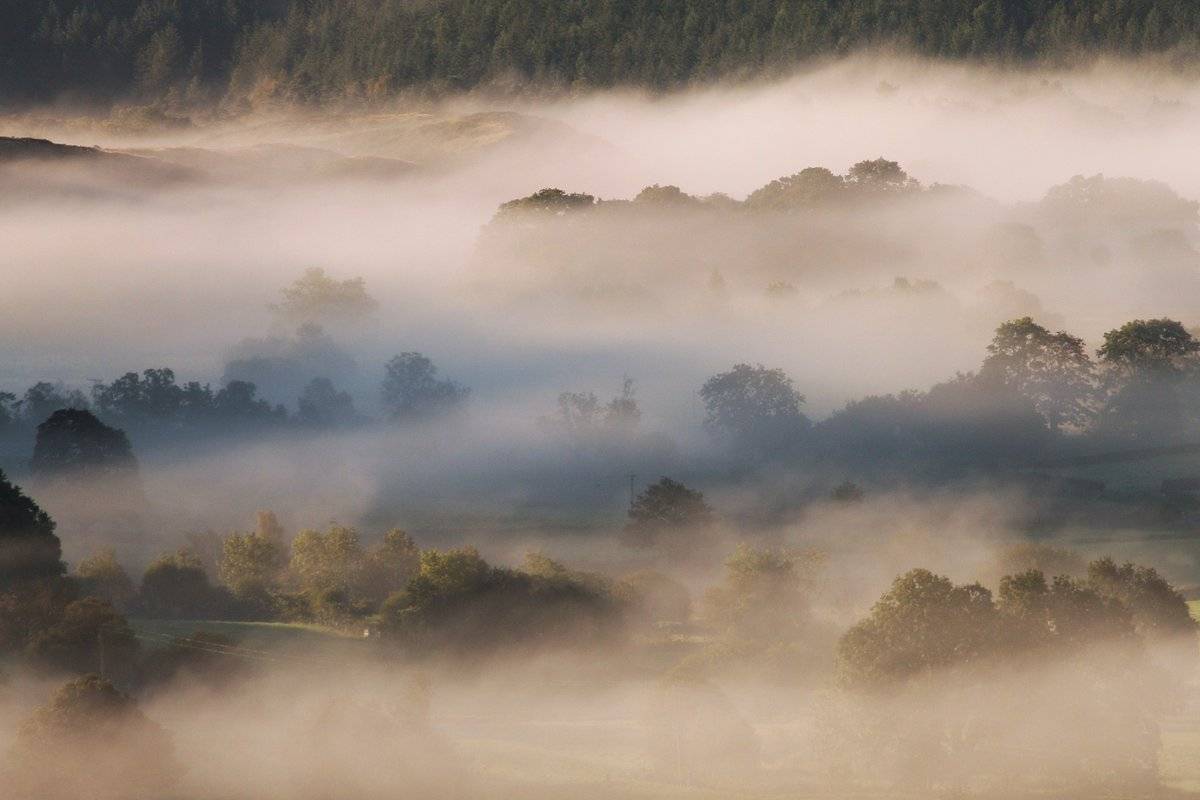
29 550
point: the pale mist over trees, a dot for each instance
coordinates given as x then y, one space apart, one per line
390 409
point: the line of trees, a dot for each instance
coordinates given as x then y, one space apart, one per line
154 404
1036 392
321 48
810 188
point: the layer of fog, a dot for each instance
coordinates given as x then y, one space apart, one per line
95 286
308 723
125 277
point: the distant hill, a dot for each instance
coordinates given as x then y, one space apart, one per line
34 168
98 51
38 167
17 148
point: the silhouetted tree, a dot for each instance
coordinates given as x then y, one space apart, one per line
880 176
669 516
323 406
1147 365
72 442
1159 611
10 411
281 366
152 397
1150 347
584 420
666 197
809 188
1053 370
754 408
923 623
412 390
177 587
29 550
546 201
459 604
43 399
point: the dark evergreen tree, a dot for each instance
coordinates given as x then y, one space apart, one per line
29 550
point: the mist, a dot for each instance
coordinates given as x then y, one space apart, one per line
572 352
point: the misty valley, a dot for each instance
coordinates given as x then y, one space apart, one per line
484 402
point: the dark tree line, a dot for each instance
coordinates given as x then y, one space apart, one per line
154 405
306 49
1036 393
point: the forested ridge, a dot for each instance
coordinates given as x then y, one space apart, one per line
100 51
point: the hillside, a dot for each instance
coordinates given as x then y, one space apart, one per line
98 52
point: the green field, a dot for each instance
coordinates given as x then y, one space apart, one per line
252 636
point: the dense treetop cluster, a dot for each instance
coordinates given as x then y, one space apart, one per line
306 49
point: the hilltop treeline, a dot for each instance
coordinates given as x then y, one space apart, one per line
305 49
